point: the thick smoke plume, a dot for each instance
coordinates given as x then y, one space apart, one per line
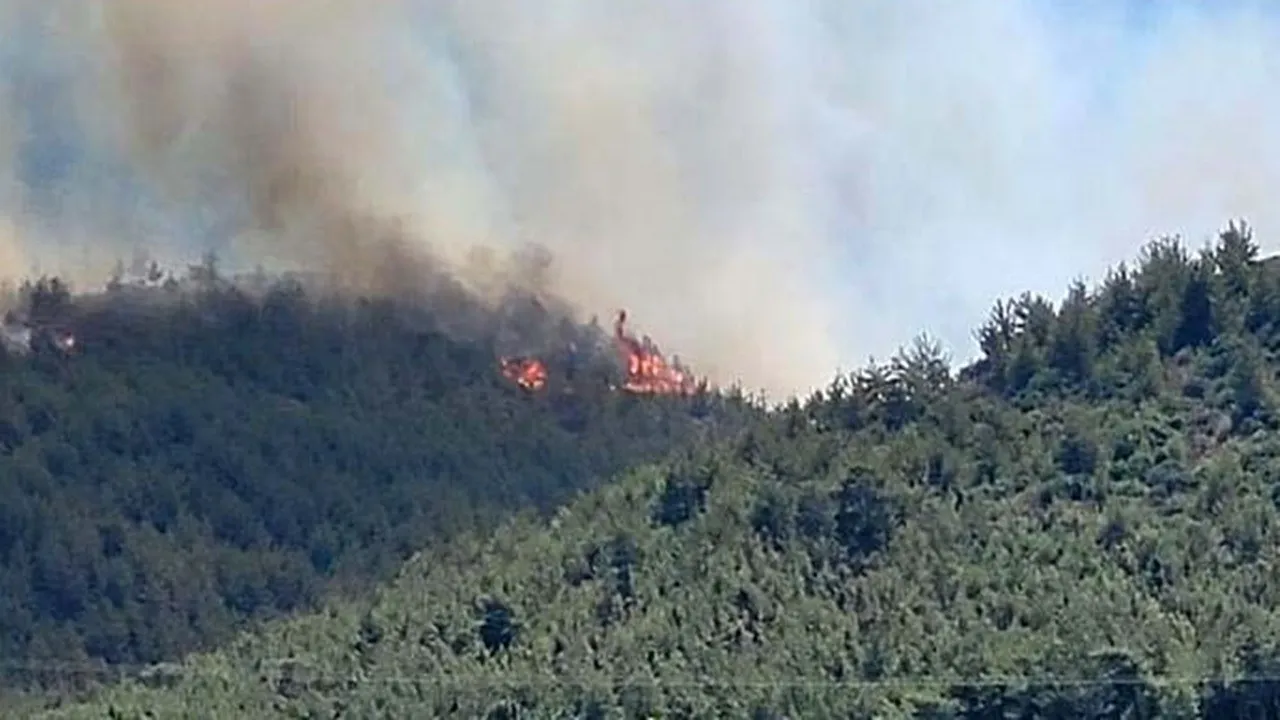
771 187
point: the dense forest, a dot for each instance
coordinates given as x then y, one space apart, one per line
179 456
1082 523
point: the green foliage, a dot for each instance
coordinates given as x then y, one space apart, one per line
1082 523
209 455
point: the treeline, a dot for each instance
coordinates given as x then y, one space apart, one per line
1081 524
210 452
1110 341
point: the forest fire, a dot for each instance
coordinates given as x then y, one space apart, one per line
528 373
647 371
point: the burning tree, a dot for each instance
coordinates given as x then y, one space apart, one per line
529 373
646 370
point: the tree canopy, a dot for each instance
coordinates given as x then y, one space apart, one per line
1081 523
204 452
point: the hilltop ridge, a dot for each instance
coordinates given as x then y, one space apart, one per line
1081 523
181 457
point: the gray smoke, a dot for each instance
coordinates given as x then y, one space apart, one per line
771 187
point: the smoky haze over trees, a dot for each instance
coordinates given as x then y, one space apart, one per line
806 183
210 452
1081 523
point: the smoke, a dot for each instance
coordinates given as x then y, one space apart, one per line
10 253
771 187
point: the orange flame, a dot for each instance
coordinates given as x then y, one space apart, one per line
647 371
528 373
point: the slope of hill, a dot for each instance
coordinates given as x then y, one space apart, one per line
205 454
1080 524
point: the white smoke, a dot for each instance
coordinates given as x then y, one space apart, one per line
771 187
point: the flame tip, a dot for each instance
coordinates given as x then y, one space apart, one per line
647 371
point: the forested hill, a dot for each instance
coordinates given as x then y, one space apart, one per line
1081 524
207 452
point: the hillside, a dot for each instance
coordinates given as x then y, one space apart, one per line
1080 524
207 452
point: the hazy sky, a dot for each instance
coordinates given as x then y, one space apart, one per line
1018 145
774 187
